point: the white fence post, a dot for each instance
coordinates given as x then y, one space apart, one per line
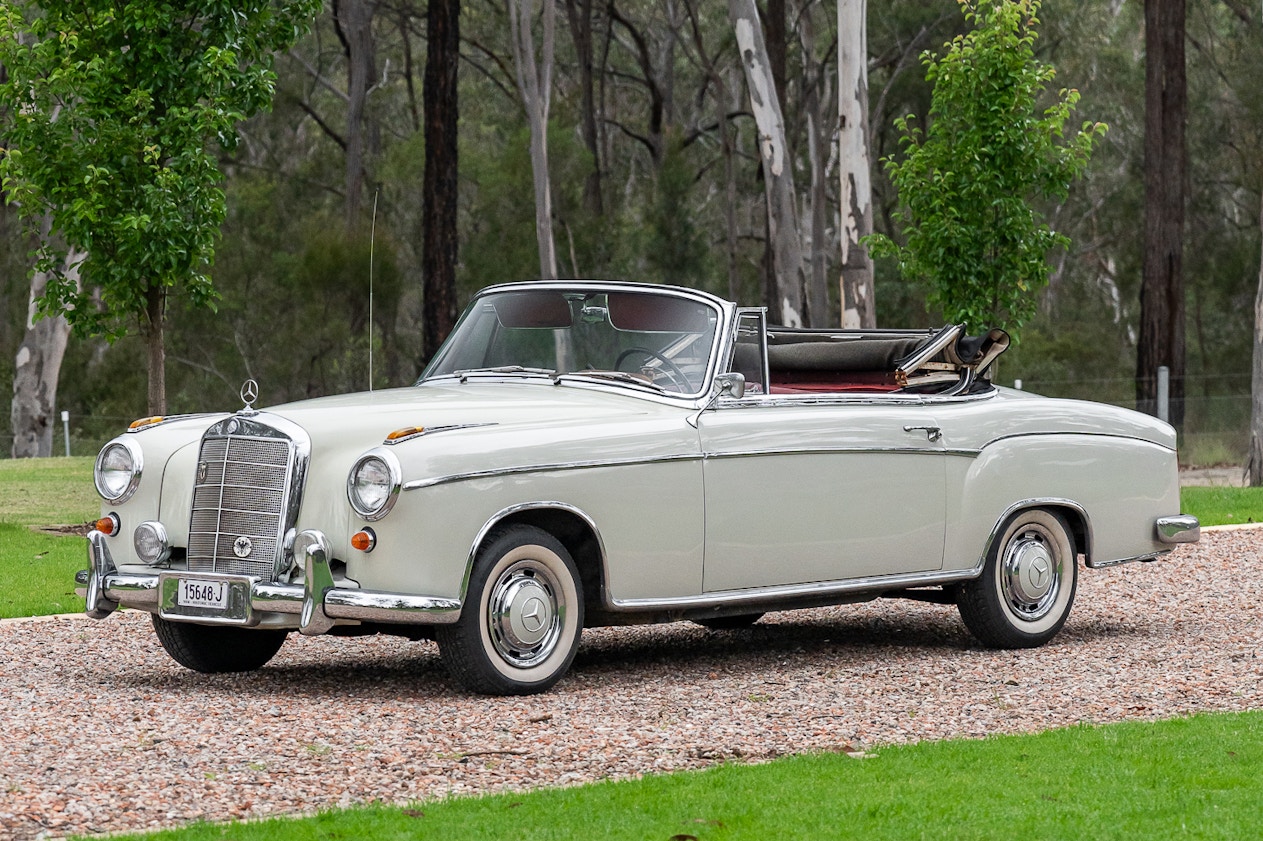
1164 393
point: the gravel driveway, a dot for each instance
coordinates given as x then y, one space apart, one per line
103 733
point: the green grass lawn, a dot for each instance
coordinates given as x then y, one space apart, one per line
1186 778
1223 506
37 569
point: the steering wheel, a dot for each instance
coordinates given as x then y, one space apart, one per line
673 373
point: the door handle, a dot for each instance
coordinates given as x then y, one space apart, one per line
932 433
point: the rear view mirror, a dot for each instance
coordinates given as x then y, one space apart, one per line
731 385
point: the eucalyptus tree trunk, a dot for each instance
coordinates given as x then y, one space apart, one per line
1254 467
153 328
354 19
439 237
778 176
1162 284
37 370
817 107
534 81
579 14
858 299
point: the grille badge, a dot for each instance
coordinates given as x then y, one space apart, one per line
242 547
201 473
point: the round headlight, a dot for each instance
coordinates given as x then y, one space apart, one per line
374 483
117 471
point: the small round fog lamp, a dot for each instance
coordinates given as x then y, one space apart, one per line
150 540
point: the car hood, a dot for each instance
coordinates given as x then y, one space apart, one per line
451 404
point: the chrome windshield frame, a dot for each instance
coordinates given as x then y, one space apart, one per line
719 343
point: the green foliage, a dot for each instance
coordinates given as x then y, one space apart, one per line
1194 777
968 184
112 107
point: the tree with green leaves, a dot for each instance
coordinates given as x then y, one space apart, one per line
969 184
113 109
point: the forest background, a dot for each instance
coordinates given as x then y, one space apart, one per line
653 163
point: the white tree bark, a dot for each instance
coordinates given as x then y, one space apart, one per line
535 83
858 305
1254 467
37 370
778 176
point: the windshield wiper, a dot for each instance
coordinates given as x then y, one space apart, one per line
463 376
620 376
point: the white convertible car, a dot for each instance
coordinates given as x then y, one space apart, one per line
583 454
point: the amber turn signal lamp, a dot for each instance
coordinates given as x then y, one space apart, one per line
364 540
107 525
406 432
137 424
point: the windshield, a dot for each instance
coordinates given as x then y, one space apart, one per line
658 340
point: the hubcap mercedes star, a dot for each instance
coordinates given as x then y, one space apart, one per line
1030 576
523 616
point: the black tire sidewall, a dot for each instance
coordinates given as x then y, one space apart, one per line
466 646
217 649
982 602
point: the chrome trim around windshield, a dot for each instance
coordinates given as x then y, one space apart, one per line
719 346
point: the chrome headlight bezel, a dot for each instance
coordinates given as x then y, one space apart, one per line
119 491
386 484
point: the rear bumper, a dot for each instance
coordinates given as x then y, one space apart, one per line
317 601
1181 528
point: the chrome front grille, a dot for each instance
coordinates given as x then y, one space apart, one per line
241 500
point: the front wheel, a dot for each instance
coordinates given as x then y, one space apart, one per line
1027 586
213 649
523 614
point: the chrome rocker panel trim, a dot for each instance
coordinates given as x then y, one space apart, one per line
317 601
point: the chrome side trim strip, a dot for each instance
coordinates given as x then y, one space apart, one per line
1082 433
876 583
418 484
1152 556
1180 528
834 451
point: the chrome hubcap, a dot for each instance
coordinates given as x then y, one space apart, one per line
1031 576
523 615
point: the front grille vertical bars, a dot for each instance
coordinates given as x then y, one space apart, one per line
245 498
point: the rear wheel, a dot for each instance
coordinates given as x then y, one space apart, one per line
1027 586
215 649
523 614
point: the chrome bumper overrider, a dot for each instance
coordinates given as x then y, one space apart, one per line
317 601
1182 528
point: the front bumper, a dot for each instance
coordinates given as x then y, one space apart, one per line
318 603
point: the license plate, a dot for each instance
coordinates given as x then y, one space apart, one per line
216 599
209 594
